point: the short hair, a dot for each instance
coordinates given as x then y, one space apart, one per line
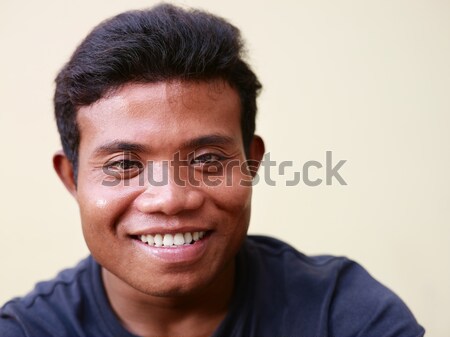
146 46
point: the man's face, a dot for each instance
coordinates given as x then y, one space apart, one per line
128 143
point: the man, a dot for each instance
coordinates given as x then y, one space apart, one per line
156 112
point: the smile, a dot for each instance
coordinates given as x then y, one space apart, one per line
172 240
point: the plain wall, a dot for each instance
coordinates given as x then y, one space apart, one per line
367 80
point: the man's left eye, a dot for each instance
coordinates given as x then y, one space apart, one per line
207 159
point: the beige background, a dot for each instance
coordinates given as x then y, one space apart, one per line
368 80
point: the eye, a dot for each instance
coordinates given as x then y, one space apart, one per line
125 165
123 168
208 159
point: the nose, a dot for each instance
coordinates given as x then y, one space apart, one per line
169 198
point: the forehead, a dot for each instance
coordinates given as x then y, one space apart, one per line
131 97
169 111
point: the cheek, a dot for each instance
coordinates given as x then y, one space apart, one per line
234 202
233 193
237 192
100 209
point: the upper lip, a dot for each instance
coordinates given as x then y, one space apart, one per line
168 230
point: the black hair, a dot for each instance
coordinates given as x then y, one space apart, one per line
159 44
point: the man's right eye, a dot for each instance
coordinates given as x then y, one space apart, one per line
123 168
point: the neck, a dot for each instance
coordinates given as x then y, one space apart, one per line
195 314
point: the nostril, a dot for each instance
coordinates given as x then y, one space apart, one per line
169 200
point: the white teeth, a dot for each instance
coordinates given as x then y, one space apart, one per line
187 237
168 240
172 240
158 240
178 239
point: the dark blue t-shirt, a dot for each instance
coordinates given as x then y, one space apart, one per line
279 292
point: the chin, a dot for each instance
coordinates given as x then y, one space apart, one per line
177 287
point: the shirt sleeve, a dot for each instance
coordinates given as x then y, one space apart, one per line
361 306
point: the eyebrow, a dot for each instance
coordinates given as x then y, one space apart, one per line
214 139
121 146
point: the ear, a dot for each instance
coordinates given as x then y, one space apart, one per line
256 154
64 169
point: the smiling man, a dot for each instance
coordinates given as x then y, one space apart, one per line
156 112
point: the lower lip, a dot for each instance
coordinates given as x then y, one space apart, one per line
185 253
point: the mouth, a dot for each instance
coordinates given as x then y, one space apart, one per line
170 240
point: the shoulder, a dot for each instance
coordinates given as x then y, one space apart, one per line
10 327
341 297
38 313
279 266
276 255
379 311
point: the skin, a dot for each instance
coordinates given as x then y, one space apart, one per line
156 292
